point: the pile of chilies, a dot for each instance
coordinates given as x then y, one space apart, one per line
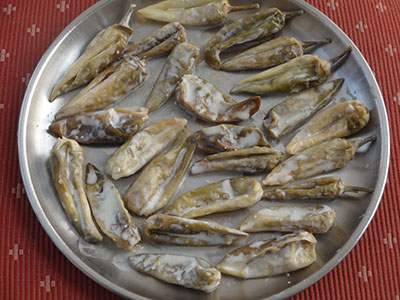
111 67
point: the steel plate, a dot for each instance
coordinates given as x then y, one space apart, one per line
107 264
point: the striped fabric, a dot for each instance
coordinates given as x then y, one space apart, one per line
31 267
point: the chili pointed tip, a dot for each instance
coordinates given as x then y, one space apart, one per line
335 61
53 96
338 82
362 141
234 90
322 42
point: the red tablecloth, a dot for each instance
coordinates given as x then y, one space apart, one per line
31 267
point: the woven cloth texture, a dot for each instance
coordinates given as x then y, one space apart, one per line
31 267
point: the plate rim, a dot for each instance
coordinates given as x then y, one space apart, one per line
115 288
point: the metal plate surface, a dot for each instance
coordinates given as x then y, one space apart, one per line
107 264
